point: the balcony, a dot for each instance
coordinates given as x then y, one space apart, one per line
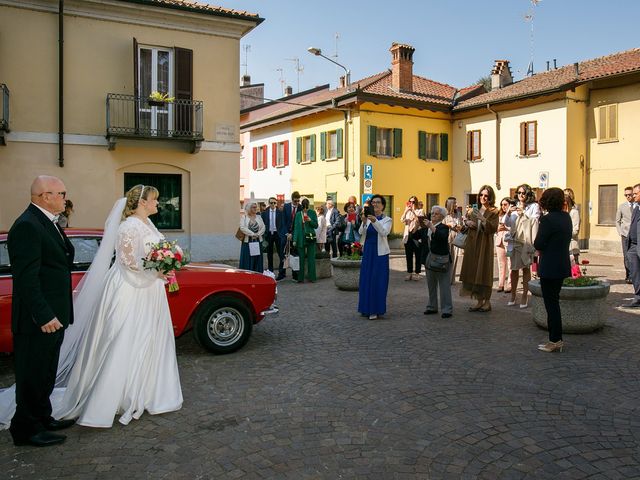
4 113
133 117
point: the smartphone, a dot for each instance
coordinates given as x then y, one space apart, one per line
474 206
368 210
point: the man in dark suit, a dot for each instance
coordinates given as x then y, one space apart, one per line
289 212
274 230
41 257
633 253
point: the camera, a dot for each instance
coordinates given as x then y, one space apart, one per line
367 210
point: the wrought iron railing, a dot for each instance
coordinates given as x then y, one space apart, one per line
4 107
131 116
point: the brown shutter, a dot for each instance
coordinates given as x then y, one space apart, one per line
264 157
136 84
274 154
286 153
255 158
183 89
534 125
523 138
469 151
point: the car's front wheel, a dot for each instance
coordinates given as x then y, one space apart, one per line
222 324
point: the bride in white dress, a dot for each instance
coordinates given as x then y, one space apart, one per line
119 356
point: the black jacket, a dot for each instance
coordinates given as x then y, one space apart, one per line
41 258
440 240
554 236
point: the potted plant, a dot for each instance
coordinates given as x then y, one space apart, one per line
581 302
323 264
157 99
395 241
346 269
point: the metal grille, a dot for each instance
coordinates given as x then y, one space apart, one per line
131 116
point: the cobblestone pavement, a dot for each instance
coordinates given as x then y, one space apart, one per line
321 393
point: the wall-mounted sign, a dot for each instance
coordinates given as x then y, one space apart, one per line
368 171
543 179
368 186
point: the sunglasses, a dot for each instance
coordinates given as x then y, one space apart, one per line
482 195
273 203
521 192
628 194
62 194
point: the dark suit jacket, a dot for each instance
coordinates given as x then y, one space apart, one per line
634 226
334 218
286 217
554 236
41 258
266 218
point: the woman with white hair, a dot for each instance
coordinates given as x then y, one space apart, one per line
252 226
438 264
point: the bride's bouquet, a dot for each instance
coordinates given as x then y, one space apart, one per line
166 257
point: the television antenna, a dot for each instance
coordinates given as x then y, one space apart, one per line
247 48
529 17
298 68
282 81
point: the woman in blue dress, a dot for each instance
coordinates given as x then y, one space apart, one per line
374 271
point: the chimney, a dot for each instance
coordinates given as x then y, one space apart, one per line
342 83
402 67
288 90
245 80
501 74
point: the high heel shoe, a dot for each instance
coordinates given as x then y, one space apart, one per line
500 289
510 303
551 346
485 308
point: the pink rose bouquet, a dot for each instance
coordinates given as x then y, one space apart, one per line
166 257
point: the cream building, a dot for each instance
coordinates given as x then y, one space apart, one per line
115 53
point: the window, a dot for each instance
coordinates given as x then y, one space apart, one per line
607 204
260 157
432 199
280 154
169 216
306 149
474 145
331 144
155 73
85 250
5 265
333 196
384 142
528 138
608 123
433 146
388 210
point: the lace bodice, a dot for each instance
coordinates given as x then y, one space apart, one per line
135 238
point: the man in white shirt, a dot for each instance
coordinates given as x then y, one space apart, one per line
623 220
274 224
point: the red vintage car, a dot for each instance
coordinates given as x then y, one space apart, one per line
220 303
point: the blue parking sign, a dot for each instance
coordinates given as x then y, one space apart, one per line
368 171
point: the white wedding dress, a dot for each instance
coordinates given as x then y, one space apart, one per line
118 358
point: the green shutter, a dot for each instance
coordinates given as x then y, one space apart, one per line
299 150
323 145
373 133
444 146
339 147
422 144
397 142
312 157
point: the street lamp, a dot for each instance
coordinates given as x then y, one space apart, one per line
318 53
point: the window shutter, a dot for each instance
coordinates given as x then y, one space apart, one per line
469 146
533 138
136 83
444 146
274 154
602 123
613 122
422 144
255 158
373 133
397 142
523 138
264 157
312 155
478 151
299 150
286 153
339 134
323 145
183 114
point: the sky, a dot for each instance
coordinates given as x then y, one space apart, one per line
456 41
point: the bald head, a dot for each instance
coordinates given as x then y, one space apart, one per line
48 192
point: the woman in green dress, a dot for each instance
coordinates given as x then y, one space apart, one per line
304 239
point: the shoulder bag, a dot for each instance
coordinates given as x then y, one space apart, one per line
240 235
460 240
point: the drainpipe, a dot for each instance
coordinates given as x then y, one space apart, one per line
345 149
498 187
60 84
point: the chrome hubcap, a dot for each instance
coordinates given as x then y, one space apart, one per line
225 326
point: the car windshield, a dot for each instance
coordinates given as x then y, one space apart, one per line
86 248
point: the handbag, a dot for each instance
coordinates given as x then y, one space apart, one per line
294 263
310 237
438 263
460 240
240 235
254 249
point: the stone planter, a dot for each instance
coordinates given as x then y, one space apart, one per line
346 274
323 267
583 308
396 244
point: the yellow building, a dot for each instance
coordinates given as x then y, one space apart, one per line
565 127
83 113
395 125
